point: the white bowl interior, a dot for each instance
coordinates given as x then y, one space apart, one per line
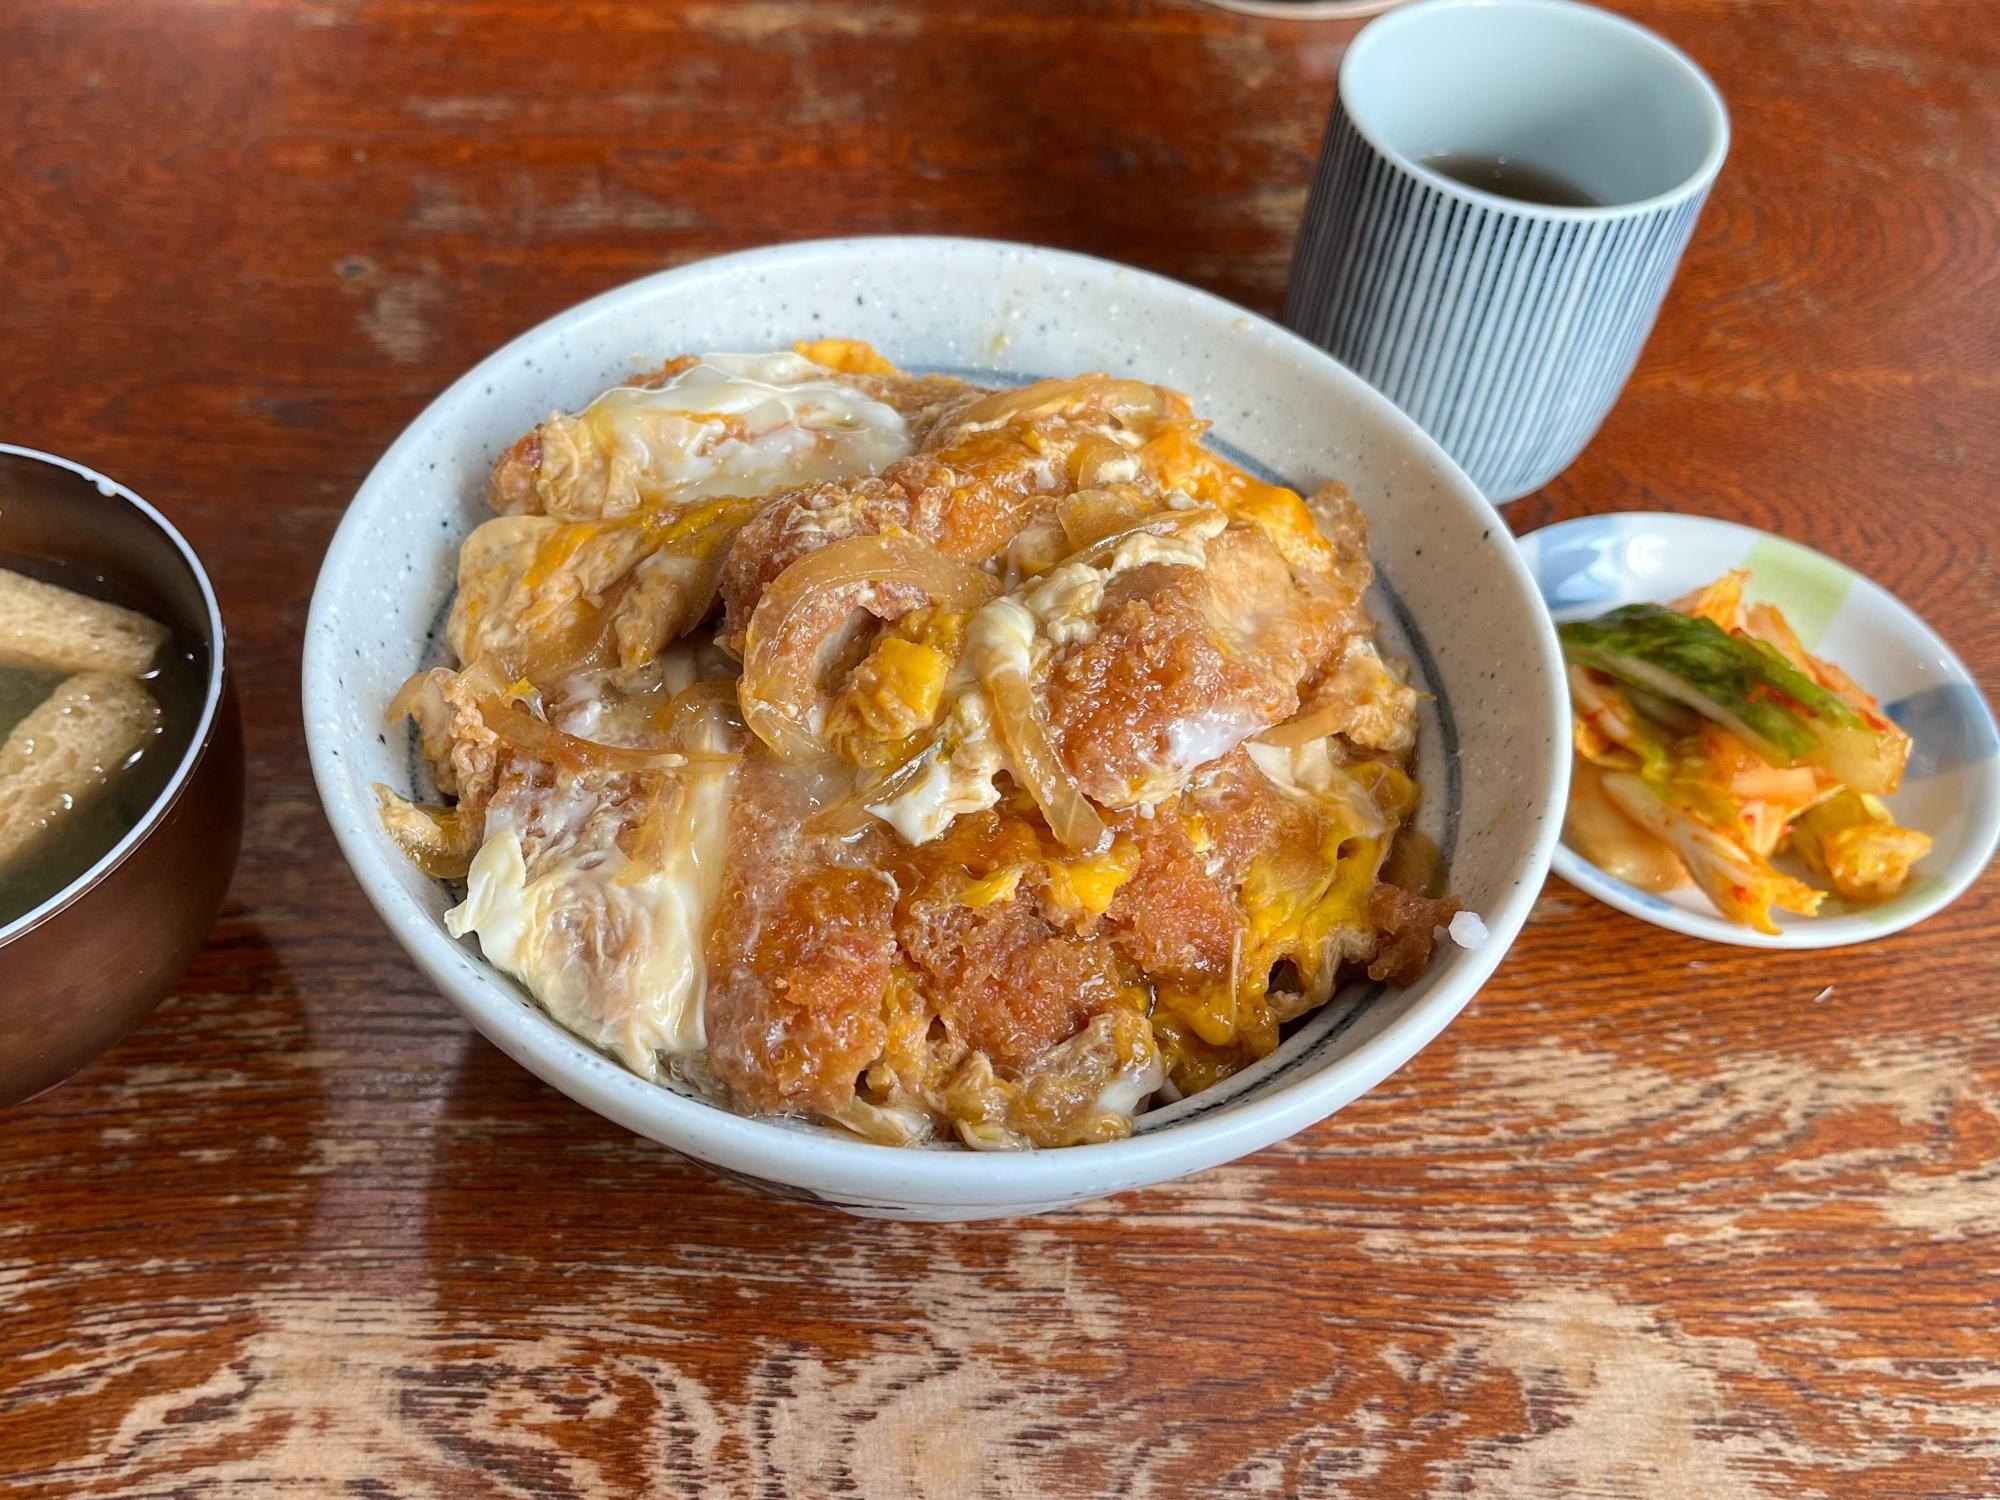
1952 788
1455 601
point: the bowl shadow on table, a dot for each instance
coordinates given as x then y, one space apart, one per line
507 1144
568 1262
516 1160
502 1126
545 1222
540 1214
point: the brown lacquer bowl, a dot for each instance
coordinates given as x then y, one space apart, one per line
81 969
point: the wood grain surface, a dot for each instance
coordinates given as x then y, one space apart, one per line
1653 1218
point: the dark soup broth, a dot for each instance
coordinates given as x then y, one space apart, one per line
49 839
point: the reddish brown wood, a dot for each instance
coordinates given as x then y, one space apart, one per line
1651 1219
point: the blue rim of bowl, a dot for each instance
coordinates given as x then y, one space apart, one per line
1801 934
204 729
791 1153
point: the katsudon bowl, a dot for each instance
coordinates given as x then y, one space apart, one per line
1453 599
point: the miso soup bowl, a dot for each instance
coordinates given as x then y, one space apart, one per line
1452 598
89 963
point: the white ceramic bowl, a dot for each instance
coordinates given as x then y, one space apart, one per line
1952 788
1455 600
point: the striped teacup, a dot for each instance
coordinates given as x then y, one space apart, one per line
1505 327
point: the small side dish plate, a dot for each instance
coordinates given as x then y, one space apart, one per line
1952 788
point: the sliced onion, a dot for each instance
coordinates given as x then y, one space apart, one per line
1092 460
808 602
1123 399
489 677
1018 719
591 645
1088 516
698 531
404 704
850 813
1308 727
440 841
710 701
492 676
1157 523
520 730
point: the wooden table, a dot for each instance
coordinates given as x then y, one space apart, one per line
1653 1218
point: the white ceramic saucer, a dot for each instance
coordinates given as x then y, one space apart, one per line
1952 788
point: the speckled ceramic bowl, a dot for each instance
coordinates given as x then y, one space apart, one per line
1454 599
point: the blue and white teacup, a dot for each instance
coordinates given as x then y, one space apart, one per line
1505 327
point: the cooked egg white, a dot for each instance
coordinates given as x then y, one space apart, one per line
1310 770
1135 1084
744 424
956 775
611 946
1057 609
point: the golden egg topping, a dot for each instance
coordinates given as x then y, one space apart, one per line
922 759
